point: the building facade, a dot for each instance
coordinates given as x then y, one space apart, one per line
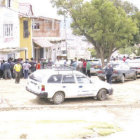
9 29
25 20
46 37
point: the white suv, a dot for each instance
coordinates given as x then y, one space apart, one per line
56 85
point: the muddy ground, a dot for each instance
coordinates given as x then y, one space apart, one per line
24 116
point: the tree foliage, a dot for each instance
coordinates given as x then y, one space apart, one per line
128 7
106 26
130 50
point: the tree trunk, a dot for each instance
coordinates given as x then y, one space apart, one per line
101 53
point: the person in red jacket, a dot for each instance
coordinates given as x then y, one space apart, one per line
38 66
84 66
124 59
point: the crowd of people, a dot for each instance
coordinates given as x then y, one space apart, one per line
17 68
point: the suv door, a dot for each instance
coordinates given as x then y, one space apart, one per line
69 86
85 86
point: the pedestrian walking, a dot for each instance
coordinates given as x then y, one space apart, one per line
88 66
17 70
26 66
109 72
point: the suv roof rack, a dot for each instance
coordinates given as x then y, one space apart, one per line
63 68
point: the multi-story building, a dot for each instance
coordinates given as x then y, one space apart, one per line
46 37
9 29
25 18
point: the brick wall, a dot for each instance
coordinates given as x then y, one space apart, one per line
46 28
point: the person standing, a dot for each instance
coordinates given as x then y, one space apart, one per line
84 66
38 66
26 67
7 70
33 65
12 66
124 59
88 66
1 69
17 70
109 72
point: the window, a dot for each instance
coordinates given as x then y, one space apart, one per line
8 30
82 79
49 24
68 79
25 29
64 52
55 79
36 26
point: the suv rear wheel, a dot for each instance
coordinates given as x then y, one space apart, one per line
58 97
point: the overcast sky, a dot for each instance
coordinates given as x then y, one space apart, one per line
44 7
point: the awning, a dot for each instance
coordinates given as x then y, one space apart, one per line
42 42
12 50
46 42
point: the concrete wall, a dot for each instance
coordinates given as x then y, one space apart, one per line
8 16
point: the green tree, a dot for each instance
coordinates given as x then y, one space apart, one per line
106 26
136 18
93 52
128 7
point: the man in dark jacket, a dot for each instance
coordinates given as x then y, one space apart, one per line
109 72
6 70
33 65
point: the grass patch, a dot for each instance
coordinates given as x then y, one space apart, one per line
92 128
103 128
59 121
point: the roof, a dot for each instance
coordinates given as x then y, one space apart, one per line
45 18
25 9
45 42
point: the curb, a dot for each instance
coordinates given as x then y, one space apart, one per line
69 107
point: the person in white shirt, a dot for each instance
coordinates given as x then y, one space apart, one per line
26 66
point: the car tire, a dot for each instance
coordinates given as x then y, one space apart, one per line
102 79
58 97
122 79
102 94
135 77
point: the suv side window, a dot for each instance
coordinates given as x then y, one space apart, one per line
55 79
68 79
82 79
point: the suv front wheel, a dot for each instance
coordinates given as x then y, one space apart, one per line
58 97
102 94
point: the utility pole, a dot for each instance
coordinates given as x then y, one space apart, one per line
65 35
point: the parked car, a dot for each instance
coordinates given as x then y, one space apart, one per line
96 65
57 85
135 65
122 71
137 57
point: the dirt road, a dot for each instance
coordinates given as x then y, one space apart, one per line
15 95
74 119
